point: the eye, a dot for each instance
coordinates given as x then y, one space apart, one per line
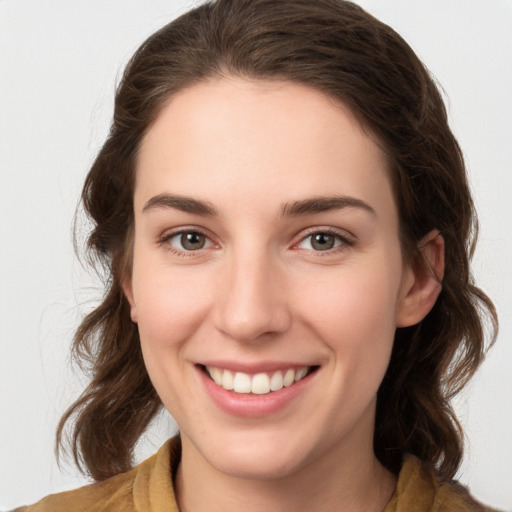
188 241
322 241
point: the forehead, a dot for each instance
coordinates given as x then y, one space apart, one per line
255 108
232 137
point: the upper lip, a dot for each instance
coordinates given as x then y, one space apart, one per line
255 367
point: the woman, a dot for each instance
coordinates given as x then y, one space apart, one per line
286 219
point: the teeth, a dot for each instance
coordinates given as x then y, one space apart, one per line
276 381
300 374
227 380
216 375
259 384
242 383
289 378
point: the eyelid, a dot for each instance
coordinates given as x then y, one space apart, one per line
347 238
166 236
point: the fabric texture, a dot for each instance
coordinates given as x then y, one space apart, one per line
149 488
420 490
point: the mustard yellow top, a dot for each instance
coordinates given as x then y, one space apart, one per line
149 488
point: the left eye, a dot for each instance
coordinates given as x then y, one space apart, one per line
189 241
320 241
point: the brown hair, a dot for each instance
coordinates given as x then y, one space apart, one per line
336 47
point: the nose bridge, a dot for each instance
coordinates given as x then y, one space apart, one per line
253 302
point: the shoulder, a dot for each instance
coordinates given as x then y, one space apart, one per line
97 496
127 491
419 488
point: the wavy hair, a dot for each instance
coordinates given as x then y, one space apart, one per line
336 47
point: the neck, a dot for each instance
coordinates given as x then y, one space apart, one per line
340 480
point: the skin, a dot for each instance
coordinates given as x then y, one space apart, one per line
258 291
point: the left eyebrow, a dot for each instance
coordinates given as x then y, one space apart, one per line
324 204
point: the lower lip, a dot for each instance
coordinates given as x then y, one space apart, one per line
249 405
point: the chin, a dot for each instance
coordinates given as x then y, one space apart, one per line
257 455
254 465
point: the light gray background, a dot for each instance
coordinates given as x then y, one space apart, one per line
59 60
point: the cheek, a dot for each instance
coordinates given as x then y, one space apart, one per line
354 299
354 310
170 307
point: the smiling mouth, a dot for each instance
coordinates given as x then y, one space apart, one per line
259 383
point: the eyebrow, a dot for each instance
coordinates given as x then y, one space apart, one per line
324 204
182 203
296 208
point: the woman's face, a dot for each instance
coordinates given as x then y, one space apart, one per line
267 254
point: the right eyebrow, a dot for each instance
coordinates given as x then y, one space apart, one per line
182 203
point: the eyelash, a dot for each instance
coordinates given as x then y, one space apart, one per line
343 242
164 241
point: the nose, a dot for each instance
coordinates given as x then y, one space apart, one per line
252 300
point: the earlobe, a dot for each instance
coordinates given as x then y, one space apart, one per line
424 281
128 293
133 313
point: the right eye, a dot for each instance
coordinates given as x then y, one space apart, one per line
187 241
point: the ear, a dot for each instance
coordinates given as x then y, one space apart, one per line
127 287
422 280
